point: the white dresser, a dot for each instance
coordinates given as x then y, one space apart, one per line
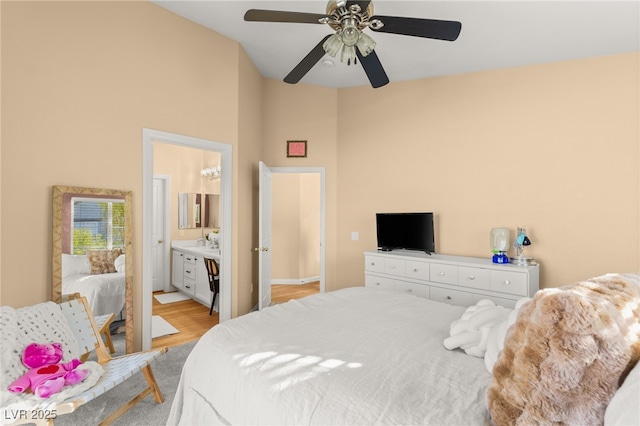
189 272
456 280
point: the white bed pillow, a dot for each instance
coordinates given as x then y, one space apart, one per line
74 264
624 407
119 263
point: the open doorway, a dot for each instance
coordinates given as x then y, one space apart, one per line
151 137
292 229
295 241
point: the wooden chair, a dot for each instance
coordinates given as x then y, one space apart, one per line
83 325
214 279
102 321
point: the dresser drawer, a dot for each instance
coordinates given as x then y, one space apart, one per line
446 274
190 258
474 277
417 270
374 264
378 282
509 282
419 290
394 267
452 297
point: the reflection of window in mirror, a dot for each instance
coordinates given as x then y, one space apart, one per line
94 223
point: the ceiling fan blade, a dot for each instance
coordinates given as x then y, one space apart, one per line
427 28
282 16
306 63
373 69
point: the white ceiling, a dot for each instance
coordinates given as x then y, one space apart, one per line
495 34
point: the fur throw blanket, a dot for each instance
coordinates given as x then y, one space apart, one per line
567 353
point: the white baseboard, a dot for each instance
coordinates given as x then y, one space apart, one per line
294 281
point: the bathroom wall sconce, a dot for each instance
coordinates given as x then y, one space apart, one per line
211 172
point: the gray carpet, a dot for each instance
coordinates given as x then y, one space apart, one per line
167 370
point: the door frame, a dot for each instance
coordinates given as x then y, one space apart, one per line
166 182
149 136
323 199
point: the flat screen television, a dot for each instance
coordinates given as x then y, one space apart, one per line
409 231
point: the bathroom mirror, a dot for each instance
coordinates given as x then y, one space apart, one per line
189 209
99 220
211 216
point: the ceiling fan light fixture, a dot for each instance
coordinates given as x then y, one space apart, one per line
365 44
332 45
348 55
350 34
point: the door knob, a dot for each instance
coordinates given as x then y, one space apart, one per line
261 249
160 241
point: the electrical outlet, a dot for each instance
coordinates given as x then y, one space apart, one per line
354 236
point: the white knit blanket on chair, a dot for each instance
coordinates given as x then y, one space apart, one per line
41 323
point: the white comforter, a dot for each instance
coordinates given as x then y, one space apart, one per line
104 292
352 356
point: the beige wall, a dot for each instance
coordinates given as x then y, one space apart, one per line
304 112
79 82
183 165
554 147
245 186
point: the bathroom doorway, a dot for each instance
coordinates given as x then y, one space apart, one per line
151 137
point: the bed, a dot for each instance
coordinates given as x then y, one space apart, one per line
105 292
268 361
356 356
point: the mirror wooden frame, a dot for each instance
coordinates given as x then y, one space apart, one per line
56 281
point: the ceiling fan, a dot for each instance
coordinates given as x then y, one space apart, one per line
349 19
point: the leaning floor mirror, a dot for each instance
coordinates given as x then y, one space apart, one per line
93 253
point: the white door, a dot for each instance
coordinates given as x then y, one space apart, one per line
264 238
159 277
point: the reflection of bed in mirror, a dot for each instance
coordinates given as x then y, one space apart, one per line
105 292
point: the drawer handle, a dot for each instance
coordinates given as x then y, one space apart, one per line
373 263
187 272
188 258
442 274
415 269
471 277
187 286
377 283
507 282
448 297
409 290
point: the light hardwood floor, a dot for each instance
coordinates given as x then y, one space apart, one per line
281 293
192 318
